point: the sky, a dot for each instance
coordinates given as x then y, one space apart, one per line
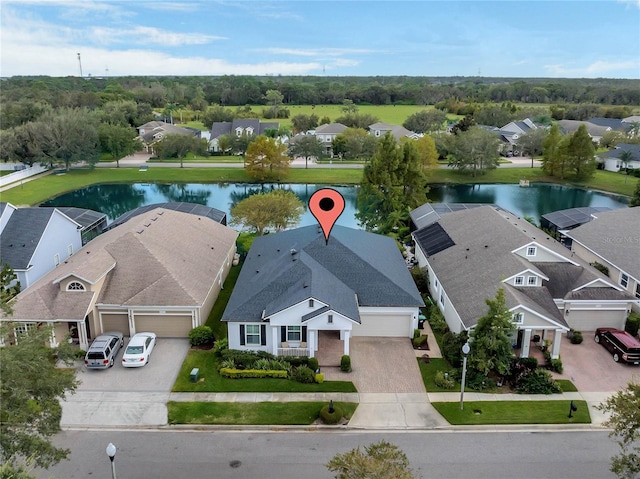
509 38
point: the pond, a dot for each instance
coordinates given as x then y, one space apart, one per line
534 201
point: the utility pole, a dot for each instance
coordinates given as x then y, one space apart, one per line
80 63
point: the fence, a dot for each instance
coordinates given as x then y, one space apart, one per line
20 175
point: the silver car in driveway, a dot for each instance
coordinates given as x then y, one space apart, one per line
103 350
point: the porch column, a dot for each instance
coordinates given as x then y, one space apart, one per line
347 334
526 342
275 341
311 342
52 341
82 335
555 351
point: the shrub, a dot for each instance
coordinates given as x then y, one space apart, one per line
279 365
201 335
296 361
227 364
451 347
633 324
528 363
319 378
416 333
538 381
444 380
479 382
556 365
313 364
345 363
420 341
245 359
437 321
331 417
600 267
263 364
577 337
220 345
251 373
304 374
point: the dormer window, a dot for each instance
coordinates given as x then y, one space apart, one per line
75 286
311 303
238 131
519 280
249 131
518 318
532 280
531 251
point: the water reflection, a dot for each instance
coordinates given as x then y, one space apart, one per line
115 200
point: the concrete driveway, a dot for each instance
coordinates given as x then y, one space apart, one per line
126 397
592 368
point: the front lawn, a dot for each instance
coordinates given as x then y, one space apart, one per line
211 381
513 412
247 414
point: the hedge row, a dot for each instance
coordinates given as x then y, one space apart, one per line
252 373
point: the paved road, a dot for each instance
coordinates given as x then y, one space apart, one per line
286 455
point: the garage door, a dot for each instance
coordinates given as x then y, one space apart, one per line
115 322
591 320
165 326
385 325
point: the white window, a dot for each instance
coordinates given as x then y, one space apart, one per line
330 319
531 251
311 303
252 334
70 249
436 283
532 280
75 286
377 132
238 131
249 131
519 281
624 280
442 298
294 333
56 259
22 328
518 318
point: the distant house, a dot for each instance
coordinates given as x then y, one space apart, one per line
611 160
294 289
379 129
154 131
34 241
326 134
238 127
612 239
520 127
510 134
569 127
614 123
161 271
471 253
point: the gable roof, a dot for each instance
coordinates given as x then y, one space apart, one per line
23 232
185 207
613 123
149 131
355 268
220 128
330 129
571 126
613 235
620 149
397 131
152 267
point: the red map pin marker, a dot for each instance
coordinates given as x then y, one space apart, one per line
326 205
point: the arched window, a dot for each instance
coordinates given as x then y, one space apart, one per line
75 286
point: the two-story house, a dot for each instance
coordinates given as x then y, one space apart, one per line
238 127
380 129
326 134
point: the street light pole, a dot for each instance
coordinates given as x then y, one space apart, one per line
465 350
111 452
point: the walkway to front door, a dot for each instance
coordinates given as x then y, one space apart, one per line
380 365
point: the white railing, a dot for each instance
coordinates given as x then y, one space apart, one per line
21 174
295 352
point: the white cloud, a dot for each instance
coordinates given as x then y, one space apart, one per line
173 6
314 52
633 3
150 35
596 69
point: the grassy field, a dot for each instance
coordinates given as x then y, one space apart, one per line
211 381
248 414
477 413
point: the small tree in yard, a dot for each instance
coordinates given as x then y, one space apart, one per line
624 420
266 159
307 146
277 209
380 460
491 350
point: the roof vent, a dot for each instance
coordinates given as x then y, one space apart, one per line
155 218
160 212
140 231
486 246
147 224
293 251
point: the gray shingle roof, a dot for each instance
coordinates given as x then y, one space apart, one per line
613 123
184 207
22 234
330 129
614 236
620 149
220 128
353 264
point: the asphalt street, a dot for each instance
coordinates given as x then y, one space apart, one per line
223 454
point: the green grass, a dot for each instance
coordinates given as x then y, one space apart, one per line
263 413
191 158
50 186
211 381
567 386
194 124
213 321
428 373
6 172
513 412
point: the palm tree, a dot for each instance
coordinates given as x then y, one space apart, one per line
626 157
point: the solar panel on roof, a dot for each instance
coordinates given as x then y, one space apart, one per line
433 239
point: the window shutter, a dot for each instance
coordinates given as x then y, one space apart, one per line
283 333
263 335
242 335
304 333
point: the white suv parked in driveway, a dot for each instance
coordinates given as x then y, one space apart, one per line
103 350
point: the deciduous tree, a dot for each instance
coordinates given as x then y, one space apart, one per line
474 151
491 349
426 121
302 123
178 146
118 141
581 154
380 460
531 143
278 209
307 146
624 420
266 159
9 288
553 153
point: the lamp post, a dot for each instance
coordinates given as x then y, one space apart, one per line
465 350
111 452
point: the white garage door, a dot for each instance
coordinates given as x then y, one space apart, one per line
115 322
591 320
384 325
164 326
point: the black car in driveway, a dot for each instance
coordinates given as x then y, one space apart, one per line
620 344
